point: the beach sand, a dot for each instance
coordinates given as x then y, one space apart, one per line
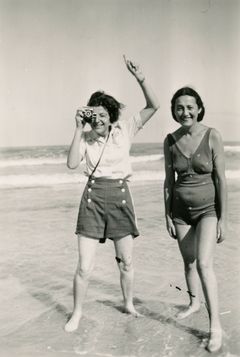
38 259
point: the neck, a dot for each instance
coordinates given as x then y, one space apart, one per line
190 130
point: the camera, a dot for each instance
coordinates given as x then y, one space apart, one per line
89 116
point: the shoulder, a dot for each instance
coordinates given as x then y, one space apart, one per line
120 123
132 119
130 124
120 126
215 135
168 142
171 138
215 139
167 138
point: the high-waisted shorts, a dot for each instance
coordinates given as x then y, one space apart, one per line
106 210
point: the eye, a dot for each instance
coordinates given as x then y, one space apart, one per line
179 108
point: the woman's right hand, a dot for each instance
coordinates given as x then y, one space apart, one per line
79 118
170 227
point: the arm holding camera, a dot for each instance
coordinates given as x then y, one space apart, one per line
74 158
152 103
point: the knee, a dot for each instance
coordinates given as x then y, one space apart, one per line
204 266
125 264
83 272
189 265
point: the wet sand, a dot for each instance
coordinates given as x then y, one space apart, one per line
38 259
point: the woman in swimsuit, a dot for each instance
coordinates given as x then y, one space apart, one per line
195 201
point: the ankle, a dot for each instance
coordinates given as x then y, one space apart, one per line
77 312
215 326
195 304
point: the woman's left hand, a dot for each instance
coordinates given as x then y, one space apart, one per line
134 68
221 231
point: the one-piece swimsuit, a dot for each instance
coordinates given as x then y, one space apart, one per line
194 194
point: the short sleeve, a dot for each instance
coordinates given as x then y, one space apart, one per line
133 124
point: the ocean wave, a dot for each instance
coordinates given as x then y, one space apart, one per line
146 158
62 160
33 161
40 180
232 148
48 158
55 179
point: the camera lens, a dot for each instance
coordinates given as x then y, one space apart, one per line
88 113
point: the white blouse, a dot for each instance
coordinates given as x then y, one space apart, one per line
115 161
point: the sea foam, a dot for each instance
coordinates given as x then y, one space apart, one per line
62 178
62 160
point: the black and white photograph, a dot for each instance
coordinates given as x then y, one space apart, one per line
120 178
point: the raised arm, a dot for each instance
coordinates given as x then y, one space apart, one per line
74 158
220 182
152 103
168 189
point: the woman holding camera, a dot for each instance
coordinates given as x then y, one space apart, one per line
106 208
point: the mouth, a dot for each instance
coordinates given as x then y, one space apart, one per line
185 119
99 125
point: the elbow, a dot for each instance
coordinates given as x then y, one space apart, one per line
221 180
152 108
72 166
155 106
169 181
73 162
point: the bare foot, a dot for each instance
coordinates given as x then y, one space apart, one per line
215 340
131 310
187 312
73 323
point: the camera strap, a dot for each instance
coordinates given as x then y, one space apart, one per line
91 175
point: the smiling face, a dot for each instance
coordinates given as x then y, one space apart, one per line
102 122
186 110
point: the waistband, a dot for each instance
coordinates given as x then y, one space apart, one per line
193 178
103 181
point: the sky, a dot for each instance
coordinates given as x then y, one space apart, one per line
56 53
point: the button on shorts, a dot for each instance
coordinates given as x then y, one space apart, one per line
106 210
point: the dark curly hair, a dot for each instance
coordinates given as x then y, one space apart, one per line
192 93
112 106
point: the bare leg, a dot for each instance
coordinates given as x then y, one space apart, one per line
187 245
206 238
123 248
87 250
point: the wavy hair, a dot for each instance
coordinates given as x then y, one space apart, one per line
112 106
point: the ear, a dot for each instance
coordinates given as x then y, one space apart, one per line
199 110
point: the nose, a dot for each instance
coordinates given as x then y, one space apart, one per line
97 118
185 112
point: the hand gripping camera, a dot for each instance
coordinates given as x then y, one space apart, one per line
89 116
